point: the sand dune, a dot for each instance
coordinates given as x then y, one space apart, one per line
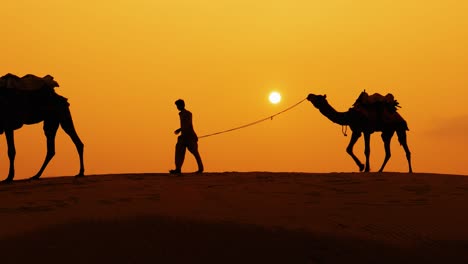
232 217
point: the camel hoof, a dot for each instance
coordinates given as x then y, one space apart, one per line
361 167
79 175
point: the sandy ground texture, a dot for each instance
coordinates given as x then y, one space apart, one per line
236 217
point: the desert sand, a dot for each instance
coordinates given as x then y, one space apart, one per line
236 217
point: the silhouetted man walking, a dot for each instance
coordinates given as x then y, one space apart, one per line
187 140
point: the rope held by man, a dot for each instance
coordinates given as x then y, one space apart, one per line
255 122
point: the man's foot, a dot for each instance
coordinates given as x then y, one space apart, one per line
199 172
176 171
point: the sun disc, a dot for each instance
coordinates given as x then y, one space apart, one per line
275 97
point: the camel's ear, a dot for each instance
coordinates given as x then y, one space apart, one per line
324 96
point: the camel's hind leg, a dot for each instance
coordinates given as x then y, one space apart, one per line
67 124
387 138
402 139
50 130
354 137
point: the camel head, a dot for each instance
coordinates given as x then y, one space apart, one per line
317 100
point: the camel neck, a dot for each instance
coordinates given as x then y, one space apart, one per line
334 116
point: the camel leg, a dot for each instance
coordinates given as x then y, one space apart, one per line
50 130
402 139
367 151
11 154
67 124
354 137
387 138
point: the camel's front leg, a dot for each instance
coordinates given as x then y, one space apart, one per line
11 154
367 151
354 137
50 130
387 138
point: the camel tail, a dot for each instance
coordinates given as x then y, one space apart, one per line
401 121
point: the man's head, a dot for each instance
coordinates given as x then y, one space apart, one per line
180 104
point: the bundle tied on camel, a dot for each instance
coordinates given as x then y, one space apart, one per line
366 101
28 82
27 99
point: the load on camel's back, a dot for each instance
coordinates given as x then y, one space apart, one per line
366 101
28 82
27 100
380 109
30 100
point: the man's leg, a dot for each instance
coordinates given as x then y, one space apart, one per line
193 148
179 154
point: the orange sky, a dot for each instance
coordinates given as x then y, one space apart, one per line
122 64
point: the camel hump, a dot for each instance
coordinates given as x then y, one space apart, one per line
29 82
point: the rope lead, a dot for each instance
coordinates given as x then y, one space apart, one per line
254 123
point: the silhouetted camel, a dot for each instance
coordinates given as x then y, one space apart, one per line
30 100
367 121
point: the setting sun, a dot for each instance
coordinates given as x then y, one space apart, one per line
275 97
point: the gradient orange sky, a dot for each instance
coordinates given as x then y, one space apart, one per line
122 64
